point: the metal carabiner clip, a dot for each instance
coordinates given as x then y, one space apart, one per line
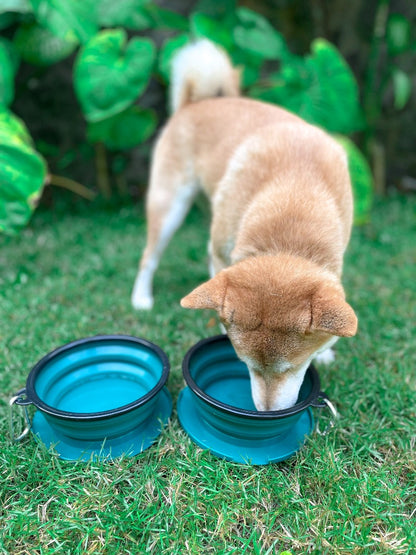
19 400
325 402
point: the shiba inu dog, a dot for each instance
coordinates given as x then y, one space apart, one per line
281 219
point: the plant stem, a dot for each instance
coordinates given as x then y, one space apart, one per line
122 185
378 162
71 185
103 180
372 98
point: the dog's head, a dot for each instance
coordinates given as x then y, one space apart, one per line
278 312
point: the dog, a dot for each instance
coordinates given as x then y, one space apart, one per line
282 212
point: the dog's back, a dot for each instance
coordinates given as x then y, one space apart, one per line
211 132
254 158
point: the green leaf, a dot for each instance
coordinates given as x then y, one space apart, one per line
139 15
256 35
37 45
250 65
361 180
22 174
70 20
217 10
7 19
161 18
125 130
398 34
167 52
321 88
7 71
402 88
203 26
18 6
110 73
13 131
12 53
130 14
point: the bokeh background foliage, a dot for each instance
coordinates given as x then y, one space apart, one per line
116 55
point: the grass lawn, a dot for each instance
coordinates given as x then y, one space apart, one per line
353 491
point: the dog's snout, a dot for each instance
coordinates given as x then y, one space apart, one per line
274 404
276 390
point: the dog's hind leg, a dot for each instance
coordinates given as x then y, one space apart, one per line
167 205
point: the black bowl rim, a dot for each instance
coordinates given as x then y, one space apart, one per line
33 398
235 411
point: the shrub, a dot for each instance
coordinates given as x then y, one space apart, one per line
114 62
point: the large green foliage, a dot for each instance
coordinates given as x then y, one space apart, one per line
22 174
68 19
254 34
38 46
321 88
124 130
130 14
112 70
110 73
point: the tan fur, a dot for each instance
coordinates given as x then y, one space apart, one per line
282 213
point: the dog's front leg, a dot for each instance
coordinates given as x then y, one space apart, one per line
165 210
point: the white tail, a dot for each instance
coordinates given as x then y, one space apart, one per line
202 70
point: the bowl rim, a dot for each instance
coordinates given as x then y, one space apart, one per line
235 411
33 398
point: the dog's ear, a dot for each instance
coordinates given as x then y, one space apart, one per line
332 314
234 304
210 294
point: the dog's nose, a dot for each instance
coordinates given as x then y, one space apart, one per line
268 403
260 406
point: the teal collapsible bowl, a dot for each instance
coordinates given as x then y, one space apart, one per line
99 397
217 411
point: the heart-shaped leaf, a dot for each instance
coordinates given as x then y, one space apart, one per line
22 174
110 73
255 34
125 130
37 45
321 88
130 14
69 19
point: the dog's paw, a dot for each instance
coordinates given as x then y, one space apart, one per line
326 357
142 302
